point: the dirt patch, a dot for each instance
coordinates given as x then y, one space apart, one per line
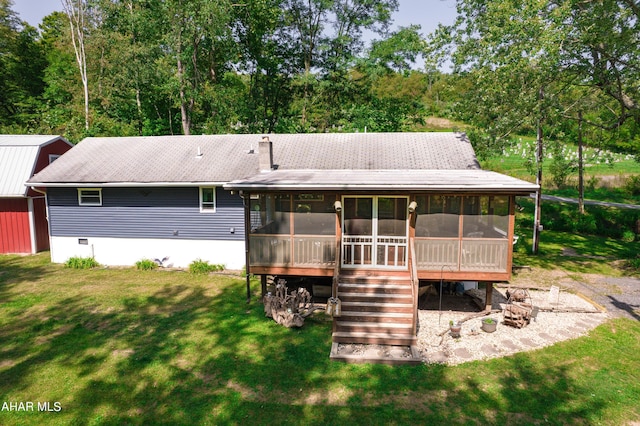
40 340
441 123
123 353
7 363
541 278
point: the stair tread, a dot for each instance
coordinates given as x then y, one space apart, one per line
375 295
372 324
376 314
372 335
374 285
347 303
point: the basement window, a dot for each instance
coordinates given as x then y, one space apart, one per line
207 200
90 197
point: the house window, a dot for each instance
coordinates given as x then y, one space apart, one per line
207 199
90 197
53 157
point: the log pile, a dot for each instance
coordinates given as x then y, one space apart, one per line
288 310
517 312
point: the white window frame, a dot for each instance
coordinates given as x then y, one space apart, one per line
82 201
212 204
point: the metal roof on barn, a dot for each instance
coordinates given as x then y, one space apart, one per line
18 156
184 160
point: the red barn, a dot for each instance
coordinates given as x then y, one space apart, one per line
23 218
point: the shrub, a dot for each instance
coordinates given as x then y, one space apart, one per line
200 266
597 220
632 185
146 265
628 236
81 263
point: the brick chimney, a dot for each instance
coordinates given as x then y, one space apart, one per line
265 154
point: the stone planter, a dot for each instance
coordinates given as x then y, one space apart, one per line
489 325
455 330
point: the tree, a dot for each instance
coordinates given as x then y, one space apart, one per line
22 64
76 11
328 33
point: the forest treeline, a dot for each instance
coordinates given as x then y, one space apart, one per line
189 67
560 70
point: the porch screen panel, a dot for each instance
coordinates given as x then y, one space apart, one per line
438 216
314 214
270 230
270 214
391 242
358 216
392 216
314 224
485 217
357 239
485 231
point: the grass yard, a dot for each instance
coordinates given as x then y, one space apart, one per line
122 346
605 172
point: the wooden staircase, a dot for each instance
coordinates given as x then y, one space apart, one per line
376 309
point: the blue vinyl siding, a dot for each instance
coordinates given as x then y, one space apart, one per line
146 213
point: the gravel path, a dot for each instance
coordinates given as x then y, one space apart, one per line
619 296
605 297
475 344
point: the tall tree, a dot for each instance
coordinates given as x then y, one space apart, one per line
512 50
328 33
200 42
270 60
22 64
77 12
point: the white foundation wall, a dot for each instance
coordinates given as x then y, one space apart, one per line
127 251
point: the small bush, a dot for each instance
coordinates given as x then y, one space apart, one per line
628 237
81 263
200 266
632 185
146 265
634 263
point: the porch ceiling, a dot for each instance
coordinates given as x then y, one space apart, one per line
473 180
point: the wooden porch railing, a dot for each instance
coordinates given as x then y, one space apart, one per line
336 271
429 254
481 254
415 283
298 251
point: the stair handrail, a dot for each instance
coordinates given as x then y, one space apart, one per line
336 269
415 283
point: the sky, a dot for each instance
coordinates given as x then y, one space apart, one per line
426 13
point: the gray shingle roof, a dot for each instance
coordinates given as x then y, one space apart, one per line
18 156
174 159
380 180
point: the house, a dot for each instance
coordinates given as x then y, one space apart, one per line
379 214
375 214
23 224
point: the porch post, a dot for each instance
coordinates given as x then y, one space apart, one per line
488 295
246 201
263 284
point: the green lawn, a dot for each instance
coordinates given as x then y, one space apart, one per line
604 175
121 346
